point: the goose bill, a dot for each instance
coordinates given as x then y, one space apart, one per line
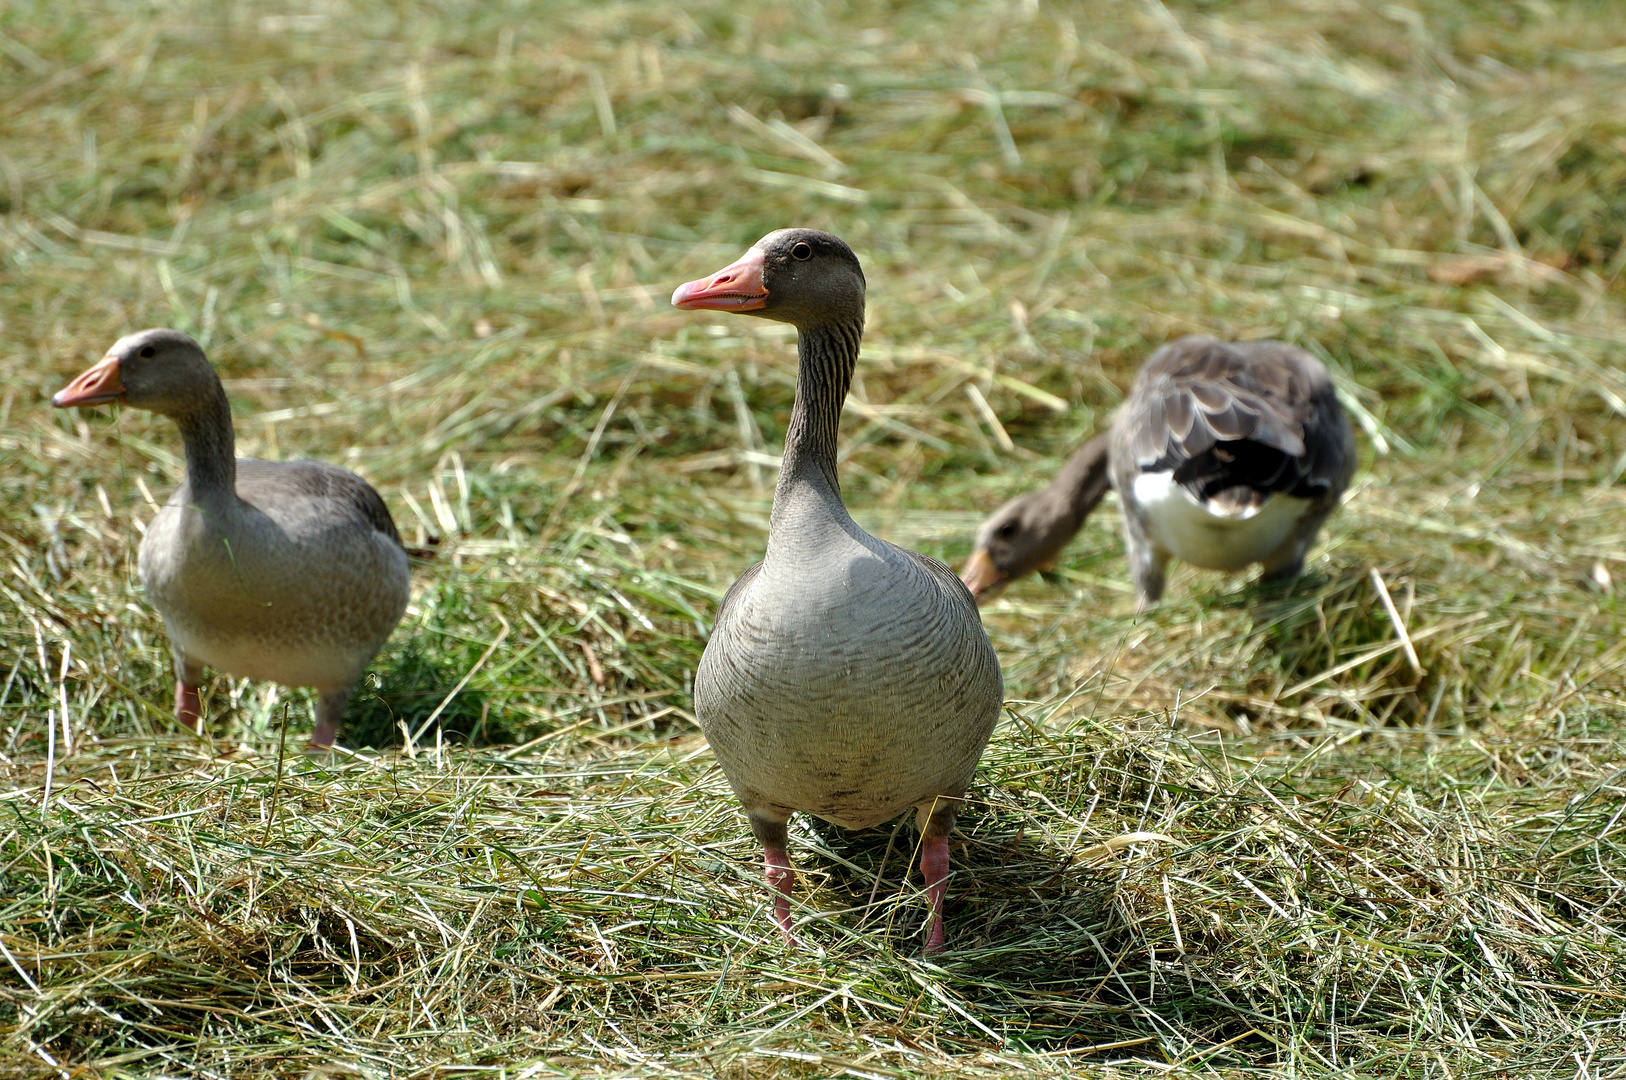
736 287
981 576
96 386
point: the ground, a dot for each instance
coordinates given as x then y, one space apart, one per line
1251 832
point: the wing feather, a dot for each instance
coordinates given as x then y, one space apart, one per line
273 483
1262 414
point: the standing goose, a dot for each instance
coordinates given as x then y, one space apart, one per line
845 677
1224 455
287 571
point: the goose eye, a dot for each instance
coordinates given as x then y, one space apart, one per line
803 251
1007 530
147 350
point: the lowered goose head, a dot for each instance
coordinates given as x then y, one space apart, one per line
1028 533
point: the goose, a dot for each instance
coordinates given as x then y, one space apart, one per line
1224 455
286 571
845 677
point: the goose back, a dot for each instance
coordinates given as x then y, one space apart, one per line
1258 415
1226 455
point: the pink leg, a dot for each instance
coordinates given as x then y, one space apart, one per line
934 865
329 711
769 829
188 706
781 878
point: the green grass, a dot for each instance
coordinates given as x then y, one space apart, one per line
434 243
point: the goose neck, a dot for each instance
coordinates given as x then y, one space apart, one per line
1081 482
211 447
825 358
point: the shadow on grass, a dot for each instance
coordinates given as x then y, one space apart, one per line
1045 950
1336 629
424 662
405 687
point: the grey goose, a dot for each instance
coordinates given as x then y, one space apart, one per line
1225 454
844 677
286 571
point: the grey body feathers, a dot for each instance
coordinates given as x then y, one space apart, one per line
298 580
846 677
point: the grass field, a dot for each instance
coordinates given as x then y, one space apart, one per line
434 242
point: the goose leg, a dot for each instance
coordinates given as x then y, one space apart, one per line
936 821
329 711
770 832
1283 565
188 704
1147 565
1287 561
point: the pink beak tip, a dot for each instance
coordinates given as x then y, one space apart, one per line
681 294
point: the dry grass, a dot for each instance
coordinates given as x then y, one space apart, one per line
434 244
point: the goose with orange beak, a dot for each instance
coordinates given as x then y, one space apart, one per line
1225 454
287 571
845 677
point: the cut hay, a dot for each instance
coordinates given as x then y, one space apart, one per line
1368 826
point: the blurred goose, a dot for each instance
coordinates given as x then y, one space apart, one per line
1029 531
1224 455
287 571
845 677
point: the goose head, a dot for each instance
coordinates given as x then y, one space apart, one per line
799 276
1028 533
161 371
1024 535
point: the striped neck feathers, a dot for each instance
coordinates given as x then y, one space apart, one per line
826 355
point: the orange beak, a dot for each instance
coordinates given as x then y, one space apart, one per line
981 576
96 386
736 287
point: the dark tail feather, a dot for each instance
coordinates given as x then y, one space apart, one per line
1242 463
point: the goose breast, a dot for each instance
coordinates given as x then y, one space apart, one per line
300 582
853 693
